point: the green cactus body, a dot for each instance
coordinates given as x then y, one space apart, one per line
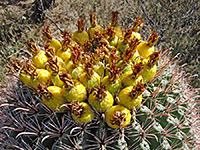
96 94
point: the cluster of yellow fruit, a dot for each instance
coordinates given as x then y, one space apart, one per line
102 70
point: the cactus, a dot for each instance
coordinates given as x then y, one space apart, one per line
106 94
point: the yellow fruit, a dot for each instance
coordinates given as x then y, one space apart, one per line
131 78
53 43
114 41
76 73
80 36
43 77
55 65
75 65
130 56
39 58
111 36
124 66
56 81
89 78
65 55
76 92
92 30
81 112
112 86
136 35
147 48
149 73
90 81
54 68
128 80
144 49
137 25
118 116
94 26
70 66
150 67
100 99
114 21
123 44
60 62
25 78
125 98
52 97
136 57
99 68
118 31
131 96
112 81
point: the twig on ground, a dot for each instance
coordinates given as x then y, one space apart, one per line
54 22
151 22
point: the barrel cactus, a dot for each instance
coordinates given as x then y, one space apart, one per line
97 89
